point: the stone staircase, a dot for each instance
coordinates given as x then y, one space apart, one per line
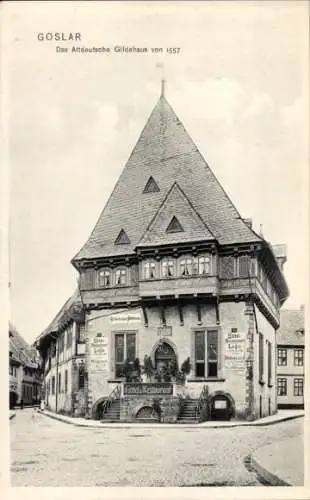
112 413
188 414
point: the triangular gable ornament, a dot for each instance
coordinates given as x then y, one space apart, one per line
151 186
122 238
174 226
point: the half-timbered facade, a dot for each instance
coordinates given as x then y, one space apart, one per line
172 275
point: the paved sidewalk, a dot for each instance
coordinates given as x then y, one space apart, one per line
280 416
281 463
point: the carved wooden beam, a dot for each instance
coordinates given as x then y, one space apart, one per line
180 308
146 321
163 317
198 307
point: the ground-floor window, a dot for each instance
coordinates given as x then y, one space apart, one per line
282 387
66 380
125 350
53 385
206 353
298 386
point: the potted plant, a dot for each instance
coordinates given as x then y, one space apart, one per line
148 369
186 367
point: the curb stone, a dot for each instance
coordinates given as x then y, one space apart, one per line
266 475
169 426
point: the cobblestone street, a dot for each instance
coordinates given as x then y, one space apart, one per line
45 452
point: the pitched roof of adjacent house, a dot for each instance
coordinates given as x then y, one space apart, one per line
166 153
20 349
66 313
292 327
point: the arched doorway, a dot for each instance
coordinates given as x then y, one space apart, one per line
221 406
164 356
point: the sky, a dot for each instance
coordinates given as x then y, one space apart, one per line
239 85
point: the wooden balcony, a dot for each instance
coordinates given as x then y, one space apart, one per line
246 286
178 286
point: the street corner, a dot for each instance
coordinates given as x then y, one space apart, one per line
280 463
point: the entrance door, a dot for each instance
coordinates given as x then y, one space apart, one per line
220 408
164 356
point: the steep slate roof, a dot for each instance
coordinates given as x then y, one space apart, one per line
292 323
166 152
176 204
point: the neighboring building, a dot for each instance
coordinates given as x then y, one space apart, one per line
290 358
24 371
62 347
171 271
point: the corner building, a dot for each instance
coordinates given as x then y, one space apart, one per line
172 271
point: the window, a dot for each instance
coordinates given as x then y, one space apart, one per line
149 270
269 363
200 338
298 386
120 276
298 357
66 380
282 357
59 382
212 353
69 337
204 265
125 349
167 268
53 385
200 354
282 387
81 378
261 356
61 341
105 277
244 266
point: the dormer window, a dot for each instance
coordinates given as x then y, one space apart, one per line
105 277
204 265
167 268
149 270
120 276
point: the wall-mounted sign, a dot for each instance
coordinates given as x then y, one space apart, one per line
164 331
126 317
98 353
148 389
234 349
220 404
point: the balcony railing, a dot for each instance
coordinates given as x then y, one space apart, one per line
189 285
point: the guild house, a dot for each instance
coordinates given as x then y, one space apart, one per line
176 312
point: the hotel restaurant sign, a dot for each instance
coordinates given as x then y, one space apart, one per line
164 389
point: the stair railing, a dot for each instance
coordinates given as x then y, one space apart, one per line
115 394
202 399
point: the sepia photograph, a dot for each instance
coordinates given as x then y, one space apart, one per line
157 174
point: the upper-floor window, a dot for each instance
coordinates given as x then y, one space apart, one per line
53 385
282 357
61 342
298 357
149 270
66 380
167 268
188 266
105 277
69 337
261 356
204 265
120 276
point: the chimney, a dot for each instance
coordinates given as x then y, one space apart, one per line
280 252
248 222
